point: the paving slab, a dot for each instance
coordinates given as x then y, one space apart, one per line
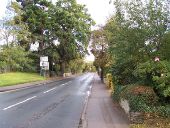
101 111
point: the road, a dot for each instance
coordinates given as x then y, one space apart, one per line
55 105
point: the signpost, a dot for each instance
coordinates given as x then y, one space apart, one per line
44 58
44 64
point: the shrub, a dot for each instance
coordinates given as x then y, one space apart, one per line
123 72
117 91
109 81
156 74
141 98
162 110
14 58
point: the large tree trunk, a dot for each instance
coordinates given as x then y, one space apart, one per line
41 46
51 68
62 68
102 74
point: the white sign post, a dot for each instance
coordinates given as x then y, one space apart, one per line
44 58
44 64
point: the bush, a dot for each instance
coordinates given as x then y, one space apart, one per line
141 98
123 72
109 81
14 58
117 91
156 74
162 110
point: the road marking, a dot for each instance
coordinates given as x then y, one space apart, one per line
49 90
56 87
11 106
62 84
68 82
88 93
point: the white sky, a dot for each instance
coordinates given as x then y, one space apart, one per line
100 10
3 7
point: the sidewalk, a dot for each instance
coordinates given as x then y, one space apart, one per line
101 111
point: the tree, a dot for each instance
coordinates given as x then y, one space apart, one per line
99 48
6 28
20 29
136 35
66 21
35 15
74 30
77 65
14 58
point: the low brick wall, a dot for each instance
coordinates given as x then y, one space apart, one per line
134 117
125 105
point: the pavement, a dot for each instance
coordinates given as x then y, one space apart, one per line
101 111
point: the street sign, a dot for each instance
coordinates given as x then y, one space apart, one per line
44 63
44 58
47 66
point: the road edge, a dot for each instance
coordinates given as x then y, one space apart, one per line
83 123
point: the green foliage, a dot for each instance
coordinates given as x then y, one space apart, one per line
164 49
14 58
162 110
57 69
89 67
19 28
122 72
72 31
156 74
135 39
77 66
44 22
140 98
99 48
117 92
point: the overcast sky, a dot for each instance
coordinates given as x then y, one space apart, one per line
100 10
3 7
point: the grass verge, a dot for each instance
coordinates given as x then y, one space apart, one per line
8 79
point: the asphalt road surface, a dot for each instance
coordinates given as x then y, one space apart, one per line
55 105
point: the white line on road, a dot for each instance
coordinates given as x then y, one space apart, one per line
19 103
68 82
65 83
56 87
49 90
62 84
